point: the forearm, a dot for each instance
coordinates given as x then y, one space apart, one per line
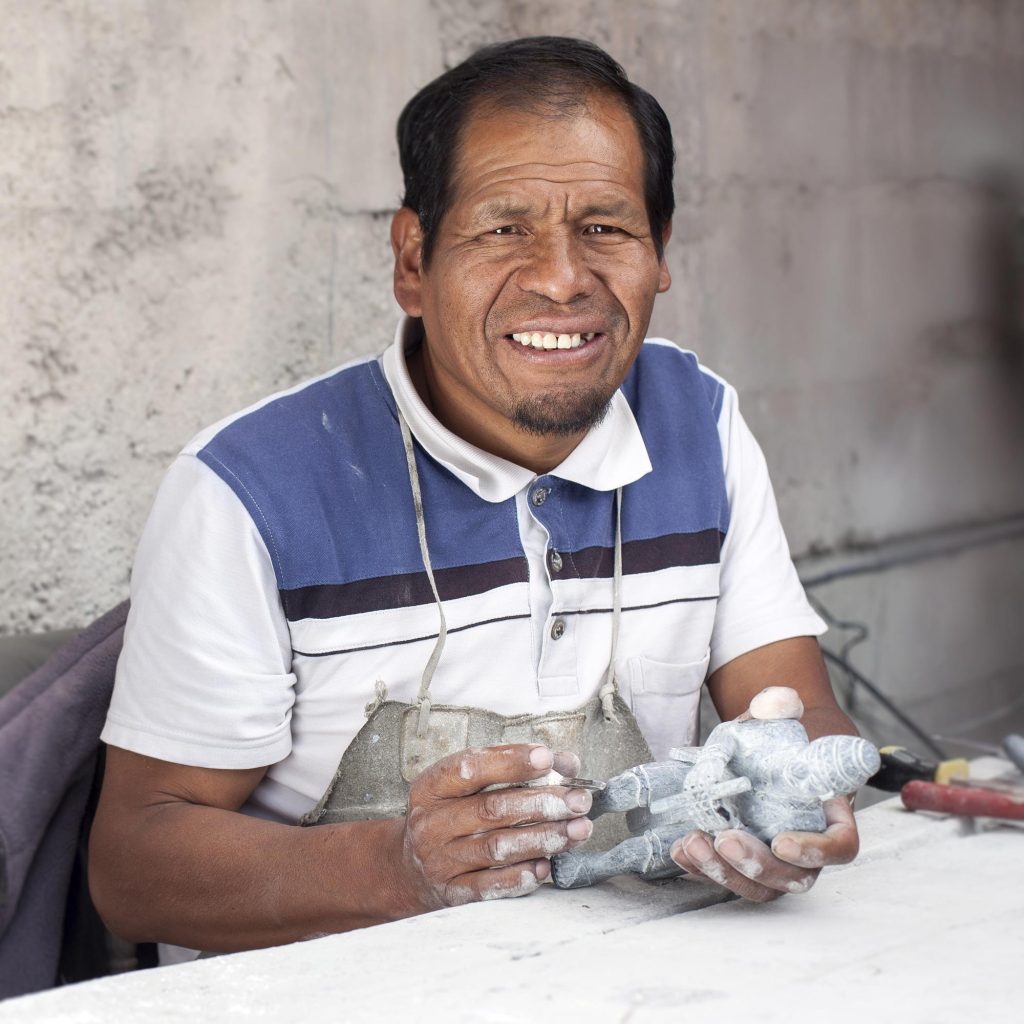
827 720
215 879
796 663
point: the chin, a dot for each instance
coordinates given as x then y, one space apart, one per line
561 415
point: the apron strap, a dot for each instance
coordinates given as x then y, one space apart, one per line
609 688
423 697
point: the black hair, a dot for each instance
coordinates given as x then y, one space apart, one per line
548 73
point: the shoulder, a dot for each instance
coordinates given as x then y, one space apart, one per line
307 461
288 417
672 377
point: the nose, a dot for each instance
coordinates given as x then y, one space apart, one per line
555 267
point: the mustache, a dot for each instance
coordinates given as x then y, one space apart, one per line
601 314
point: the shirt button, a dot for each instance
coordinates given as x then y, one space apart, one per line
556 562
539 496
557 629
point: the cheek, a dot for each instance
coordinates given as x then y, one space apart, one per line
465 302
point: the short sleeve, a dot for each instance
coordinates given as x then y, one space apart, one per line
204 678
761 599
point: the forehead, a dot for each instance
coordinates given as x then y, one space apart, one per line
593 150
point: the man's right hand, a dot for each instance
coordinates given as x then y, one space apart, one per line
463 841
173 860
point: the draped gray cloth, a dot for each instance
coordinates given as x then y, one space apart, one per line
50 726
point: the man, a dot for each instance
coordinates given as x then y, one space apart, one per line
478 541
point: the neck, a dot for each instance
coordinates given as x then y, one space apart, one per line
487 430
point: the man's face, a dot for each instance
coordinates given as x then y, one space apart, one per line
547 237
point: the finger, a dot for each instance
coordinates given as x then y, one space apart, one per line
696 854
838 844
753 859
471 770
498 809
497 883
566 763
507 846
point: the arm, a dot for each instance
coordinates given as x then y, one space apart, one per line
797 663
736 859
173 860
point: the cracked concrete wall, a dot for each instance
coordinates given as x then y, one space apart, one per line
194 203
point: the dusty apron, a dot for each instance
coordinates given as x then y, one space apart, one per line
401 740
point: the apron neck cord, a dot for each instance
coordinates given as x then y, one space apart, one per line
423 698
609 688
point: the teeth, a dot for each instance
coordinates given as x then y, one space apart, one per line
549 340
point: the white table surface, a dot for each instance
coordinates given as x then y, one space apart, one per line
928 925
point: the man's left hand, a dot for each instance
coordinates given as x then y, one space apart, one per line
749 868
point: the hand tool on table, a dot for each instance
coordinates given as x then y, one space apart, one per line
1012 747
966 798
900 766
590 784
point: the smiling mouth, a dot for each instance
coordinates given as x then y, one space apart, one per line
548 340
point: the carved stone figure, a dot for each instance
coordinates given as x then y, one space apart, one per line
759 773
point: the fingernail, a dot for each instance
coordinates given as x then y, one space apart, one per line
786 849
800 884
541 758
578 800
542 869
698 849
730 849
579 828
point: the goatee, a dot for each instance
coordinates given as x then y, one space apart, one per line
561 415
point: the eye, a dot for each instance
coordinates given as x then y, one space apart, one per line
602 229
507 229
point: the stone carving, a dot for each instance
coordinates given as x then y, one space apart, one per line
759 773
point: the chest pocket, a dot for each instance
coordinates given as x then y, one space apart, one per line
665 699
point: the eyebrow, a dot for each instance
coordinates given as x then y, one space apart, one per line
505 209
500 210
620 209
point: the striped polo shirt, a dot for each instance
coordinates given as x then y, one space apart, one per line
280 579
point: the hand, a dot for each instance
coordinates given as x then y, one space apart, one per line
747 867
461 843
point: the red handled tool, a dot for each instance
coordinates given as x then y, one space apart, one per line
968 799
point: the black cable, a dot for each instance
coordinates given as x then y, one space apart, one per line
885 702
859 633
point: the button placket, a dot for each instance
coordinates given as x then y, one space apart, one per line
557 669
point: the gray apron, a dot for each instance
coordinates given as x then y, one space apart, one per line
399 740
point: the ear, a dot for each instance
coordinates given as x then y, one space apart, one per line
664 277
407 245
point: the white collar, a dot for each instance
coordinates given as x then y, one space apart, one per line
611 455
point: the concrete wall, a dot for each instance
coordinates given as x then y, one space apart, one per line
194 201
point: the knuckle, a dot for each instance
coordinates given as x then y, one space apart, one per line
495 848
715 871
494 806
802 884
418 825
456 895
